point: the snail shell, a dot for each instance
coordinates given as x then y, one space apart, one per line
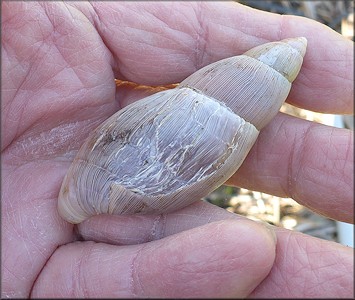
172 148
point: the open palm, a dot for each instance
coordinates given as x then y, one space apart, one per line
59 64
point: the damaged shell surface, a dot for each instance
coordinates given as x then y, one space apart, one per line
172 148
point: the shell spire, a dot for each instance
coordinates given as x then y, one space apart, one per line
285 56
263 68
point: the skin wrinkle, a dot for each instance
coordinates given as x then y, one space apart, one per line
297 156
42 136
17 89
80 279
172 267
158 228
37 53
63 57
281 25
185 265
201 37
171 37
308 288
321 69
322 74
289 21
304 257
20 235
13 274
188 268
350 153
331 161
74 270
73 17
162 226
40 271
19 112
211 268
28 242
69 5
281 256
39 56
348 156
137 288
101 260
158 47
325 151
203 33
259 154
285 189
306 81
27 239
290 251
20 232
301 184
246 28
100 26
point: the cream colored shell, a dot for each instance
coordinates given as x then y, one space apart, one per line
170 149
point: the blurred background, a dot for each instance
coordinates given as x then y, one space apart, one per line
285 212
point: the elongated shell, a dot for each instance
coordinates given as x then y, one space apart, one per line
172 148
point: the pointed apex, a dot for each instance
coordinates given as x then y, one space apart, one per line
299 43
285 56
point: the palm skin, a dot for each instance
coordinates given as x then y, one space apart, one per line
59 63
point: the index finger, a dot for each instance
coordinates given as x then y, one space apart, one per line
161 43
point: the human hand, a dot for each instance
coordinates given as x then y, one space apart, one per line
59 63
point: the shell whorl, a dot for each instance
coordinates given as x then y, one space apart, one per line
246 83
170 149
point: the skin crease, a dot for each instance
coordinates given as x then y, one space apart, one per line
59 61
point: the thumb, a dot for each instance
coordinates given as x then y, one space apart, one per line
222 259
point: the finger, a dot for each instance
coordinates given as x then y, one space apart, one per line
307 267
309 162
165 42
32 228
324 266
139 229
221 259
